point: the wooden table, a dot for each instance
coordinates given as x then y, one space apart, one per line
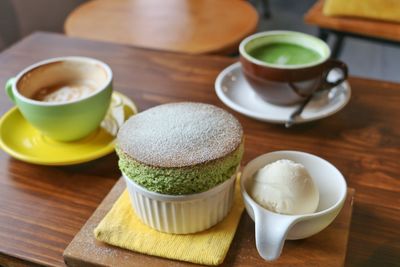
42 208
341 26
185 26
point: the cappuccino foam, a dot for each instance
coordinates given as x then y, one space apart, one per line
63 81
65 93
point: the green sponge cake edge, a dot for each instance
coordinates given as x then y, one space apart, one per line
181 180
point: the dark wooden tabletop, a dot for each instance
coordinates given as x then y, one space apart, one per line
42 208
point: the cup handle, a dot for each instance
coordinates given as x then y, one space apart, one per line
324 84
8 88
334 64
271 232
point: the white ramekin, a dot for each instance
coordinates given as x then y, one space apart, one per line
181 214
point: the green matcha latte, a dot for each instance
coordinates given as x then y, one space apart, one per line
180 148
285 54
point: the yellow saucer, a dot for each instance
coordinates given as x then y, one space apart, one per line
19 139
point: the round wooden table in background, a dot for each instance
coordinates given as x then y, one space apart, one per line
185 26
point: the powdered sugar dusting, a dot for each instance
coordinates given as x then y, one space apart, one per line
180 134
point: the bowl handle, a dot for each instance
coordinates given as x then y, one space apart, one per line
271 232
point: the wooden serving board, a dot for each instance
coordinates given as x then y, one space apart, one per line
327 248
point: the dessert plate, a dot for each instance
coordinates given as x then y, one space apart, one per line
19 139
234 91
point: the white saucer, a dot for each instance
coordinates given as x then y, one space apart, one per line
234 91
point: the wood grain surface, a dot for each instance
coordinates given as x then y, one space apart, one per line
43 208
187 26
85 251
366 27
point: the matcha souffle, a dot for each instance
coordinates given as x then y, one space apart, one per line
180 148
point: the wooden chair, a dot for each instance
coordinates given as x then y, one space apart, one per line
186 26
374 30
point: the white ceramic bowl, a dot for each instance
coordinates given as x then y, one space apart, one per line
272 228
182 214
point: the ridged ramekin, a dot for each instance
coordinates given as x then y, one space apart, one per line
182 214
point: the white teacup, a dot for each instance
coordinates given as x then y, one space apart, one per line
272 229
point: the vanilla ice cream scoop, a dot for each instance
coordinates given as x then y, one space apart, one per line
285 187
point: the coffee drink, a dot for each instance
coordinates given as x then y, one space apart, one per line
63 81
64 98
285 68
285 54
65 92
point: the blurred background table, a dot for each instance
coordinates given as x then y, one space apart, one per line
42 208
185 26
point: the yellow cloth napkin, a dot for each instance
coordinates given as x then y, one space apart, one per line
121 227
375 9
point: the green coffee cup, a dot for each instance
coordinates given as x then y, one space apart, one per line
65 98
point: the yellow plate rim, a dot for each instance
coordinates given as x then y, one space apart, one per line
86 158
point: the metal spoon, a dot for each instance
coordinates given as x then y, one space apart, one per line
300 109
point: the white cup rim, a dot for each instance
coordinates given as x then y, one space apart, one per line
17 94
244 42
